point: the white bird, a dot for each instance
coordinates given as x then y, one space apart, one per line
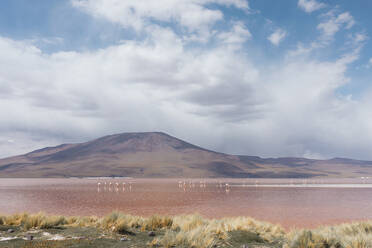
227 187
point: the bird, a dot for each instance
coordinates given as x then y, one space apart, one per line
227 187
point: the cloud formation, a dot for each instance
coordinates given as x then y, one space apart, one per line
277 36
193 16
333 23
310 5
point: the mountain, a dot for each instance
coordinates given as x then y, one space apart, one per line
156 154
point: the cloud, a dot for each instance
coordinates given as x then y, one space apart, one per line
193 16
333 23
369 64
235 37
310 5
277 36
358 38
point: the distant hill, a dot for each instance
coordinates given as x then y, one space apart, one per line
156 154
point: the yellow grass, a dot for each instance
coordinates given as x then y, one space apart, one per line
198 232
354 235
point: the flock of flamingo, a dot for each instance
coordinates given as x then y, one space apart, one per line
127 186
110 186
202 184
191 185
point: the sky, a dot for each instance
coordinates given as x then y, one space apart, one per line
255 77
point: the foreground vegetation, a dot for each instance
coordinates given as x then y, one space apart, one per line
121 230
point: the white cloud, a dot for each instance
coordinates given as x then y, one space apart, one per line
277 36
333 23
193 15
310 5
236 36
369 64
359 38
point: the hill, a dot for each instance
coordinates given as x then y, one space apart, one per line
156 154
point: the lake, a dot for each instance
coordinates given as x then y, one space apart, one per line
289 202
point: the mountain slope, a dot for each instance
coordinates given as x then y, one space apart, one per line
157 154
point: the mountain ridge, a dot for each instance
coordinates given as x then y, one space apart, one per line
157 154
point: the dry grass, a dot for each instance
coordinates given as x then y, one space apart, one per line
42 221
198 232
188 231
355 235
195 231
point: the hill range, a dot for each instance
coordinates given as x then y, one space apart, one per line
156 154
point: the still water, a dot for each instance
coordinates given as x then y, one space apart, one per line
289 202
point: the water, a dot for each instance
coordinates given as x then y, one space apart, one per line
289 202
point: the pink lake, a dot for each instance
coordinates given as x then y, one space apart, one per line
289 202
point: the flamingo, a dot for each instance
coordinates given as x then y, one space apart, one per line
227 187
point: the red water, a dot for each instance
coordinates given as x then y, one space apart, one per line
274 200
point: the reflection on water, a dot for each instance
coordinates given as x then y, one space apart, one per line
290 202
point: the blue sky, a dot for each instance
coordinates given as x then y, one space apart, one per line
260 77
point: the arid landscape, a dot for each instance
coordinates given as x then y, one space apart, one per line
158 155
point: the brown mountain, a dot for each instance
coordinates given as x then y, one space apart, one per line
157 154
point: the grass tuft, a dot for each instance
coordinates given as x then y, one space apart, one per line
156 222
354 235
